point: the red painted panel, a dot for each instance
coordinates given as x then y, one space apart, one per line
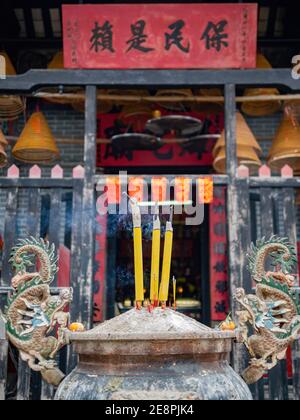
170 155
162 36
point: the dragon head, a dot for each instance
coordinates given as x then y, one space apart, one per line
21 262
285 256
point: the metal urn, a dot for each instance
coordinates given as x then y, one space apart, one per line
157 354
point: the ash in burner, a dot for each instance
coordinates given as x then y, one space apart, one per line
144 325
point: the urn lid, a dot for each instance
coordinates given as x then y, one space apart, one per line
159 324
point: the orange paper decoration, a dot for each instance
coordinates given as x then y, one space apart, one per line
182 189
113 190
136 188
159 189
205 190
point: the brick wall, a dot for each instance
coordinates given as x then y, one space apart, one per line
68 124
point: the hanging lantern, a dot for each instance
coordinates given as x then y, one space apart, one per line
174 106
205 190
208 107
36 143
246 155
261 108
10 106
3 155
244 136
136 186
285 149
136 116
182 189
113 189
159 189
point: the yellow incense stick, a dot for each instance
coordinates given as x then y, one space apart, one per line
138 251
155 263
167 259
138 265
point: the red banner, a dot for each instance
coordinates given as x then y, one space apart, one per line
161 36
100 268
218 256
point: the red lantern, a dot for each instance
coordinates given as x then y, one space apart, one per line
136 188
205 190
113 190
159 189
182 189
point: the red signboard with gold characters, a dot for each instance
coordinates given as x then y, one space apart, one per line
161 36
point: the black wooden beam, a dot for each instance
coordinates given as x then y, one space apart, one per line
47 22
35 79
272 20
32 43
29 27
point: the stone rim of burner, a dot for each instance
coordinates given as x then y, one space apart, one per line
161 332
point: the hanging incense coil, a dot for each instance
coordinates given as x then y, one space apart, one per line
3 140
11 106
135 116
244 136
208 107
135 94
174 106
57 63
3 155
261 108
285 149
103 107
36 143
246 155
292 110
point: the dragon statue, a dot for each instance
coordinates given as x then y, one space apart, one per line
272 314
32 314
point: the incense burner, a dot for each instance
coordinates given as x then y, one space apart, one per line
158 355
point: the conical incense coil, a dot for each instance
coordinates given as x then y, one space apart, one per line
208 107
36 143
285 149
174 106
11 106
244 136
246 156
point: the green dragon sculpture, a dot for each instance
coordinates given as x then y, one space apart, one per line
32 314
273 313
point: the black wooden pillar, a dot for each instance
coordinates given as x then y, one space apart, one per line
88 209
238 217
